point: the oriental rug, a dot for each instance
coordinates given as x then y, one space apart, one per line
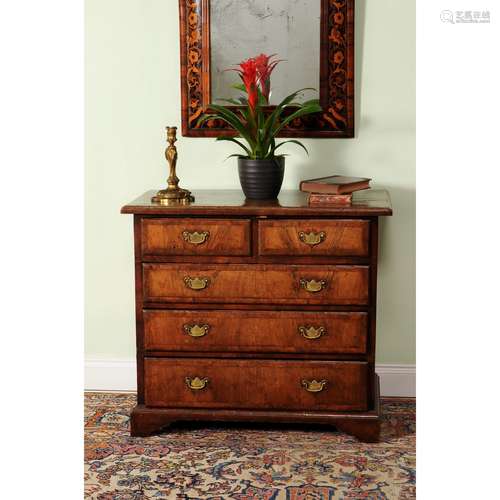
245 461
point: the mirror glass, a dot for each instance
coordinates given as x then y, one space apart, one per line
245 28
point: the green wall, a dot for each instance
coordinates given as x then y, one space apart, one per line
133 92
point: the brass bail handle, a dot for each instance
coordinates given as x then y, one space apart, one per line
313 286
196 237
196 283
197 330
196 383
314 385
312 239
312 333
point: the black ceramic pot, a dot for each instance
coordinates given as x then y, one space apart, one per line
261 179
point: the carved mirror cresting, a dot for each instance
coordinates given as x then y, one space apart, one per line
314 38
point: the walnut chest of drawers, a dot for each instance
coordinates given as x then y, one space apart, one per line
257 311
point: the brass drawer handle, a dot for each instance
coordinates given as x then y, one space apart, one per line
314 385
196 238
196 331
311 333
196 383
313 286
312 239
196 283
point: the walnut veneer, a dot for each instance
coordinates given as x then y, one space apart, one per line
257 311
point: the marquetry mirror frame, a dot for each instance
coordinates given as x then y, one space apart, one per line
336 73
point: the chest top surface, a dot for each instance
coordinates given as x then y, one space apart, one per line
367 203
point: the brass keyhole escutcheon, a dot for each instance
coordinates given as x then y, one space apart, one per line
196 283
196 238
312 333
314 385
196 331
312 239
313 286
196 383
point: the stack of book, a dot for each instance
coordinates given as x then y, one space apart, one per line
333 190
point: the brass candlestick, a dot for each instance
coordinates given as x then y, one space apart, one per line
173 194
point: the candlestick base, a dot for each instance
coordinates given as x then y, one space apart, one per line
173 197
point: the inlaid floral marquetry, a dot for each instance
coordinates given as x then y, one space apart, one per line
336 73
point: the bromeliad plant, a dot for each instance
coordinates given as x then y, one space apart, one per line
253 120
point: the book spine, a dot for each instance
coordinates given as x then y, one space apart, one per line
330 199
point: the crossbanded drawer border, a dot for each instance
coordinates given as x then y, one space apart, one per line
119 375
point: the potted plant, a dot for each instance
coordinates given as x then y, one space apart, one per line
260 167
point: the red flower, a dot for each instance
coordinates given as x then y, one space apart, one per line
256 72
264 69
248 73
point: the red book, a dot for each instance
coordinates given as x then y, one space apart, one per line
330 199
335 184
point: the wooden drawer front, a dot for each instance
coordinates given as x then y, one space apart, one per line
314 237
195 237
255 331
255 384
241 283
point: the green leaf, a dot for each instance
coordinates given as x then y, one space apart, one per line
304 110
294 142
272 147
232 119
273 118
234 102
233 156
239 86
262 100
252 127
232 139
311 101
207 117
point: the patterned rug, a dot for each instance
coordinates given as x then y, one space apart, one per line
245 462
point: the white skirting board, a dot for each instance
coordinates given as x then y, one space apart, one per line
120 375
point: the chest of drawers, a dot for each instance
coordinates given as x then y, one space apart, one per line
257 311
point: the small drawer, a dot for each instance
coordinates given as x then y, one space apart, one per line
256 384
195 237
314 237
256 331
256 284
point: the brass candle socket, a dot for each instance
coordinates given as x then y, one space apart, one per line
173 194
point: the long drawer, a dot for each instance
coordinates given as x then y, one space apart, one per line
240 283
255 331
255 384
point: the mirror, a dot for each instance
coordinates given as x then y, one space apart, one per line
288 28
314 38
